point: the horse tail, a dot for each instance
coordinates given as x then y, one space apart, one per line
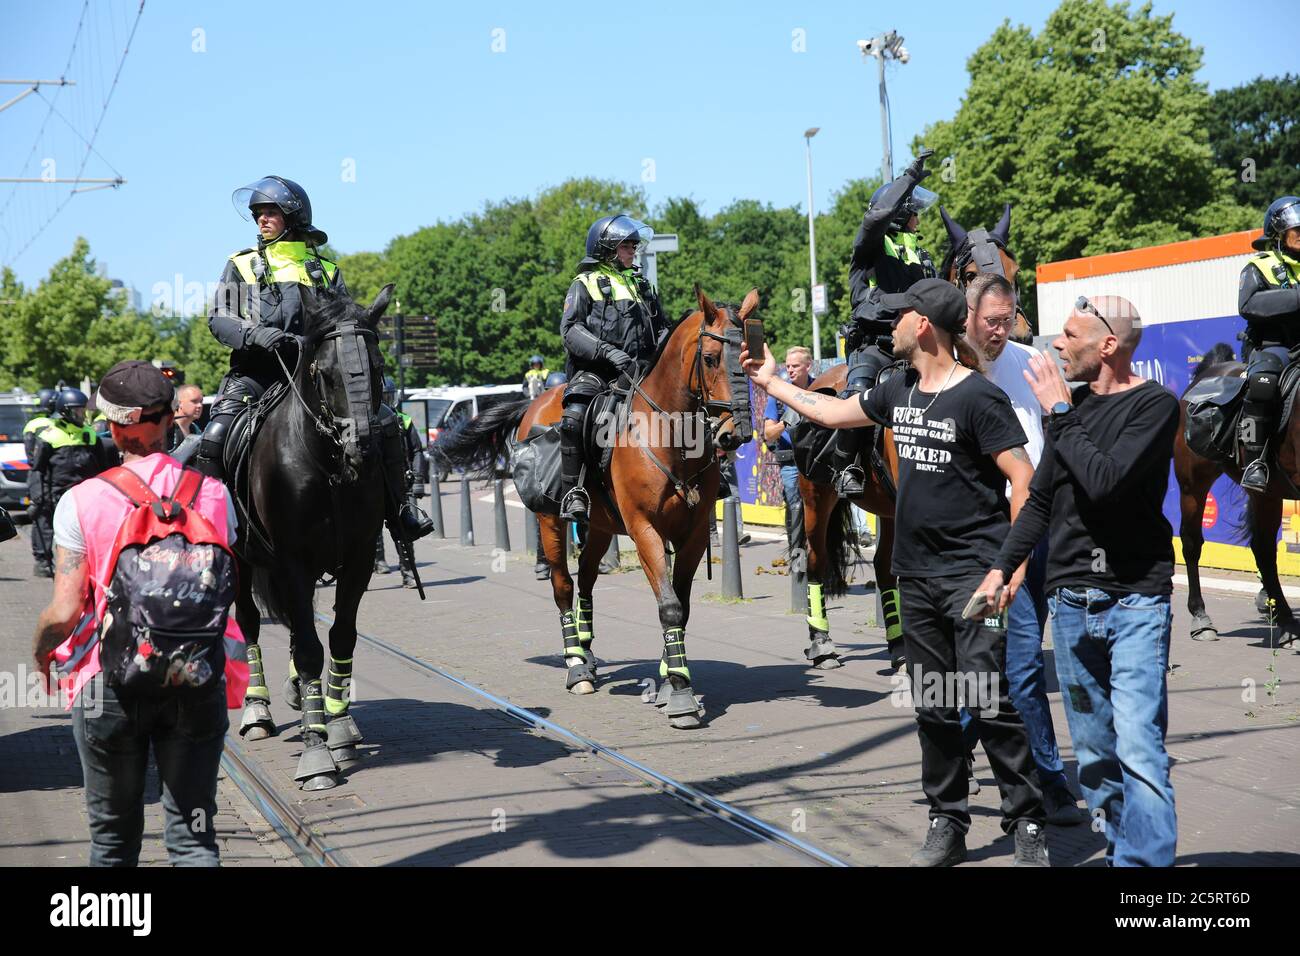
272 596
475 445
842 549
1241 524
1220 354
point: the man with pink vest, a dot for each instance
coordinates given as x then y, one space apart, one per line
113 733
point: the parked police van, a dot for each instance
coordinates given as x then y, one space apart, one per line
434 410
16 410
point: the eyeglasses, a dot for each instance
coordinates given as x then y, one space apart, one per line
1082 304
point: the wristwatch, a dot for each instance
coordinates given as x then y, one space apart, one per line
1060 408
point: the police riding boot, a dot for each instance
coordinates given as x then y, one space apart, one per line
575 505
1262 378
210 459
400 510
850 480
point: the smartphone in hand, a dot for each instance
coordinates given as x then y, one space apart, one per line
980 604
754 339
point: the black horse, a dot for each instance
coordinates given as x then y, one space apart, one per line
312 502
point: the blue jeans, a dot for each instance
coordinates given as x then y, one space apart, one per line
794 530
1027 674
187 738
1111 655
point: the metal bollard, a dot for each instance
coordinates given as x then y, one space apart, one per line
798 581
730 550
499 508
435 509
530 533
466 516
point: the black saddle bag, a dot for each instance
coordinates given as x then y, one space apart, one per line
537 471
1213 409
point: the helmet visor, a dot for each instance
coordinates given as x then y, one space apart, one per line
923 199
265 192
626 229
1288 217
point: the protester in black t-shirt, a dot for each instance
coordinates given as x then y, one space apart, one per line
1100 488
958 443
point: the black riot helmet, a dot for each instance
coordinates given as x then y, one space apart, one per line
45 400
1282 214
609 232
390 392
286 195
917 202
68 399
556 378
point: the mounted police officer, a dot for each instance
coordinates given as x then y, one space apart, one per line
612 320
417 476
1268 299
65 452
259 314
887 257
535 377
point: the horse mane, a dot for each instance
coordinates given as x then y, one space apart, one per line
326 313
1221 354
730 309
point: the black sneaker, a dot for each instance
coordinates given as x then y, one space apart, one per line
945 845
1062 809
542 572
1031 844
972 784
43 569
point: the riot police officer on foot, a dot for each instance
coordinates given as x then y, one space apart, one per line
64 453
1268 299
259 313
887 258
612 320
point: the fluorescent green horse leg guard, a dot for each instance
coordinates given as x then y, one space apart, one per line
256 675
673 662
586 623
338 688
817 620
573 646
313 709
893 617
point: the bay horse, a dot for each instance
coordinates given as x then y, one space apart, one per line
316 486
828 518
660 493
1195 475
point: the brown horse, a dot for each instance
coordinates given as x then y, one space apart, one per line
827 517
660 488
979 250
1195 475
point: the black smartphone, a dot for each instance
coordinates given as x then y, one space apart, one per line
754 339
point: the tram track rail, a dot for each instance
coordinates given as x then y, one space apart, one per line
680 792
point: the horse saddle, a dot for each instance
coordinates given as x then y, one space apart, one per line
237 455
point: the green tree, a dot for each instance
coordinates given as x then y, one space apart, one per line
1094 130
1255 133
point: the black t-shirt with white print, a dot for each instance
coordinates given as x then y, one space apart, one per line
952 513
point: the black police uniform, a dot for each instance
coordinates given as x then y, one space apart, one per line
63 454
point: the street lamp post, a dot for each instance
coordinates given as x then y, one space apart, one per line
812 251
887 46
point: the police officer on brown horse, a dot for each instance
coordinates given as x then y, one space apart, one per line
259 314
886 258
612 320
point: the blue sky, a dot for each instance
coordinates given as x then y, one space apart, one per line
435 122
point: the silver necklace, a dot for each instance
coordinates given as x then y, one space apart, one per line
936 394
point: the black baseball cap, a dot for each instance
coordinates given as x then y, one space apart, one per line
128 388
939 301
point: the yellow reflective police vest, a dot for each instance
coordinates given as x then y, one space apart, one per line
285 262
1267 264
37 423
622 287
60 434
907 248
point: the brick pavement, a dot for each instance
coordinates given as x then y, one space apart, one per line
828 749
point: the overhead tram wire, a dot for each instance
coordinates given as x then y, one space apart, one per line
90 144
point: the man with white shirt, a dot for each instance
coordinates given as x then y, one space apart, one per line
991 303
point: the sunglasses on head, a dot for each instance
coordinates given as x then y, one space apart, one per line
1082 304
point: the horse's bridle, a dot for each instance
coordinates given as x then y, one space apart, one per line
707 405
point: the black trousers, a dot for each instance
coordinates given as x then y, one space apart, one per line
953 662
42 528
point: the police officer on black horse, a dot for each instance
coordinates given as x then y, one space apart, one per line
259 314
612 320
886 258
1268 298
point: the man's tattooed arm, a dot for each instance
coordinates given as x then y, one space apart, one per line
58 619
